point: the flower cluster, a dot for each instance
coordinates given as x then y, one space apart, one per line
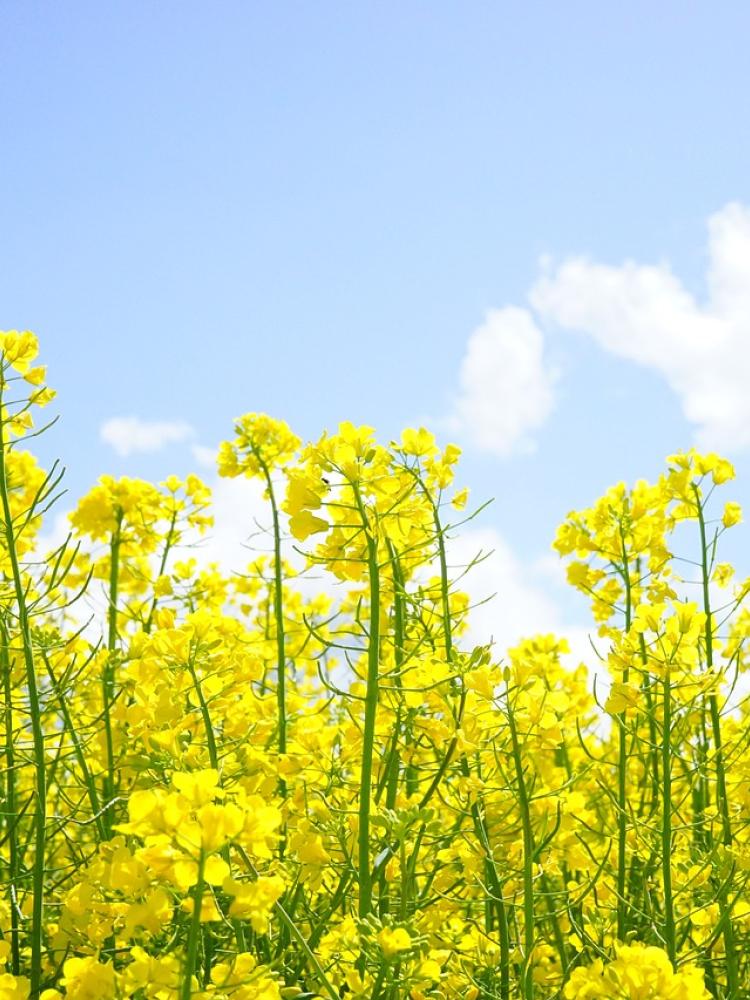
294 777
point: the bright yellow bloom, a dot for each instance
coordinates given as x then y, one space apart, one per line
88 979
393 941
732 514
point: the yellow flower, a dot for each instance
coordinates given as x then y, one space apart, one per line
621 698
198 787
88 979
261 445
393 941
254 901
18 349
732 514
15 987
639 972
303 524
460 499
419 443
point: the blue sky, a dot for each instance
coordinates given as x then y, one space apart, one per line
309 209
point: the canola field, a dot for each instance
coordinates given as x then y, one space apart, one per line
298 780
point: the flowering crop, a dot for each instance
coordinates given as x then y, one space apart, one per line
299 781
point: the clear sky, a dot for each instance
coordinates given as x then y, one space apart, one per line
373 211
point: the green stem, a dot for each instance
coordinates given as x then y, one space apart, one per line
721 785
213 757
444 582
666 822
622 764
305 946
35 718
528 859
278 611
371 707
88 778
162 566
482 834
394 760
191 950
10 796
108 679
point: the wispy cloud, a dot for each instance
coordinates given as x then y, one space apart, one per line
506 386
128 435
643 313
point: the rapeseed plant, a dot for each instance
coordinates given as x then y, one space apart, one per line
236 788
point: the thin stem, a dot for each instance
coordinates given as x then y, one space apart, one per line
35 719
162 566
213 757
666 822
108 679
88 778
10 796
278 611
622 765
371 707
529 933
191 950
721 785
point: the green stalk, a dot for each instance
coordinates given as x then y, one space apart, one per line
278 611
504 935
10 798
529 922
666 823
444 583
477 818
35 719
305 946
162 567
447 638
723 802
371 706
622 763
88 778
393 765
701 793
213 757
191 950
480 829
108 679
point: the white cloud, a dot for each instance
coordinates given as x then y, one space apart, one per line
644 314
511 601
242 521
506 386
128 435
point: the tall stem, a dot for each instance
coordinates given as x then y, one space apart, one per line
528 859
278 612
78 749
393 763
10 797
213 758
721 783
666 822
108 680
35 720
162 566
191 949
622 764
371 707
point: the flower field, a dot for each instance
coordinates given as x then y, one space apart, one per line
298 780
